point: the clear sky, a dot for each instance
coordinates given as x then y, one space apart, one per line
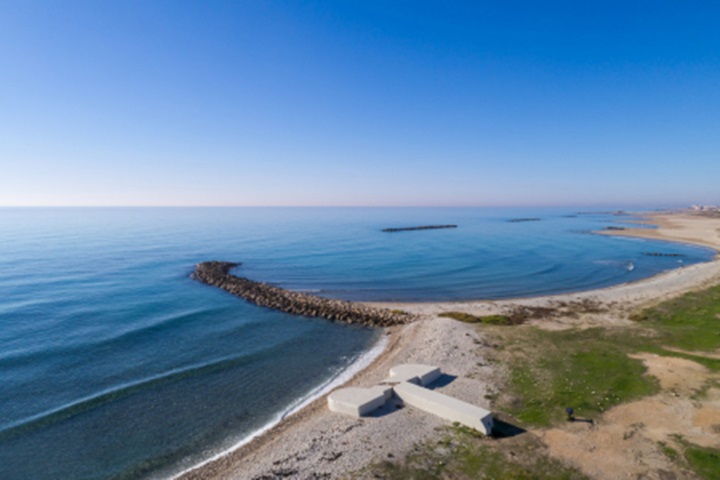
261 102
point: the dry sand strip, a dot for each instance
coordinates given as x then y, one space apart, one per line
686 227
316 443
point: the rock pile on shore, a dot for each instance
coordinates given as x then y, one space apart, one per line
296 303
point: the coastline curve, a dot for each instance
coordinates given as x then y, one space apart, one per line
404 343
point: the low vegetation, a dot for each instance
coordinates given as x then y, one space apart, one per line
690 324
669 452
520 314
486 319
587 370
590 370
703 461
461 454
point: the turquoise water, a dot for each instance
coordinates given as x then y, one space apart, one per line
115 364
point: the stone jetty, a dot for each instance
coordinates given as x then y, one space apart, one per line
217 274
421 227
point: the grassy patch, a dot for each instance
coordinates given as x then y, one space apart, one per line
588 370
668 451
484 319
460 454
703 461
689 322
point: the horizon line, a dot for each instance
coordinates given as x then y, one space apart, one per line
578 205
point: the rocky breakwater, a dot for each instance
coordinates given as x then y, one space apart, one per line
421 227
264 295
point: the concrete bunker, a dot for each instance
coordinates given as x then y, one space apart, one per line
407 382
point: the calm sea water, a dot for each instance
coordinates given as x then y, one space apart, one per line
115 364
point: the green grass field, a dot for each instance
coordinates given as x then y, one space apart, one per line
590 370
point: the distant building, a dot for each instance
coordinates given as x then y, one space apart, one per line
705 208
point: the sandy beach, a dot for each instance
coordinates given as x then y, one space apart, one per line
316 443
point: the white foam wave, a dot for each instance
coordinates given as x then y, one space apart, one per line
341 377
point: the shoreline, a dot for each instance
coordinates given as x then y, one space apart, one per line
314 439
363 361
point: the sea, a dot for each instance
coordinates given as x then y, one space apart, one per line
116 364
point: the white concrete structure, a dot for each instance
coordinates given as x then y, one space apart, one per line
445 407
359 401
413 373
407 382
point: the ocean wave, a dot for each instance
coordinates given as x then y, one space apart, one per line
341 377
141 332
85 404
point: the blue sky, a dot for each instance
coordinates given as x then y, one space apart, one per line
359 103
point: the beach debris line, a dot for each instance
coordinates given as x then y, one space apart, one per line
421 227
517 314
217 274
407 384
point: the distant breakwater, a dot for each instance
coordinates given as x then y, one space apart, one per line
529 219
261 294
421 227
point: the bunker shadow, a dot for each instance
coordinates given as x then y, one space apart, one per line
503 429
443 380
391 406
395 404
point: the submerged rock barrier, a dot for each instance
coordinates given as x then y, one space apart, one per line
529 219
421 227
261 294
